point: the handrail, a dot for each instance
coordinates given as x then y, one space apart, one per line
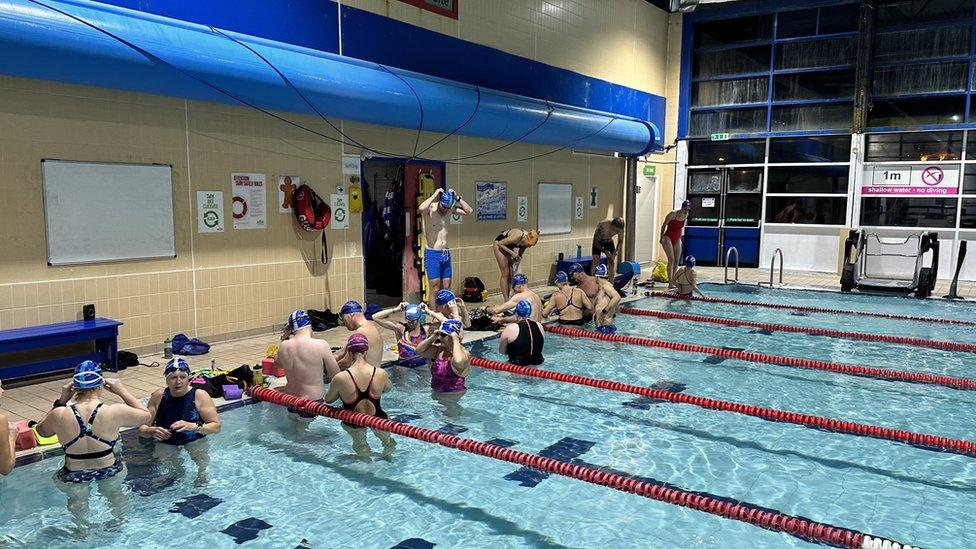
727 254
772 267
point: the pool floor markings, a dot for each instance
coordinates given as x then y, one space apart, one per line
414 543
246 529
193 506
564 450
645 403
452 429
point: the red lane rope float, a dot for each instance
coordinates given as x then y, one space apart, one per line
886 374
809 309
771 520
923 440
899 340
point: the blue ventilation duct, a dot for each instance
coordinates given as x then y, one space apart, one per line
50 40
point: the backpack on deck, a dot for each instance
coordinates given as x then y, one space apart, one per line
474 290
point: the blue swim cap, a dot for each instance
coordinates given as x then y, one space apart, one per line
576 268
601 271
608 329
448 198
298 320
444 296
690 261
561 277
413 313
452 326
88 375
176 365
519 280
523 309
350 307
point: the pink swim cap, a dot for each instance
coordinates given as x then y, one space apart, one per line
358 343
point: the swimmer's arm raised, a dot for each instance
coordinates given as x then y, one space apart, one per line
460 358
380 318
436 195
425 349
462 207
433 314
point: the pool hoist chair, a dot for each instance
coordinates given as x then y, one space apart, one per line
863 250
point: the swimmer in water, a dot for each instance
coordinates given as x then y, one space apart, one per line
409 333
524 340
450 363
354 320
569 302
305 360
451 307
685 281
502 314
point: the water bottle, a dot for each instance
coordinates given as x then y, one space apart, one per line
213 364
579 251
168 348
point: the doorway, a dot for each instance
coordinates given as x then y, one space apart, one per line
726 207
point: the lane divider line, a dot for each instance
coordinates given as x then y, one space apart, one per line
885 374
860 336
811 309
798 527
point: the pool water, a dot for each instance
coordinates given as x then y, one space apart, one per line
273 482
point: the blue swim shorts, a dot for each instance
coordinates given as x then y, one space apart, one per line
437 263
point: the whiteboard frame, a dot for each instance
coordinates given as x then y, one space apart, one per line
47 242
539 207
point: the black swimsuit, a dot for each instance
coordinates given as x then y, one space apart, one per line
579 321
362 395
518 246
85 431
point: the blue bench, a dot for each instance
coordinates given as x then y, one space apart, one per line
103 331
585 261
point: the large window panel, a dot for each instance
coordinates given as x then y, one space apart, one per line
908 212
745 180
921 44
816 53
792 24
828 148
913 147
730 92
839 18
923 78
808 210
733 31
731 62
918 111
728 121
967 220
910 12
812 117
969 177
739 151
814 85
808 180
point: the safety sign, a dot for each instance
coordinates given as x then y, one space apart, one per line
901 179
522 209
249 201
579 207
210 211
593 195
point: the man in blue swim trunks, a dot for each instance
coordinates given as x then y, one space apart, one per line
437 258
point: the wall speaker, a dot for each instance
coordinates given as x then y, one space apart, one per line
88 312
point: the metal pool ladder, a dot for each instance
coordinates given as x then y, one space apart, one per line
772 268
727 254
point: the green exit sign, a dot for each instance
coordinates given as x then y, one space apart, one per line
721 136
650 170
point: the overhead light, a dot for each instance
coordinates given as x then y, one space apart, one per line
955 118
721 159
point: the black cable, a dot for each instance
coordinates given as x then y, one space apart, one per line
477 105
510 143
420 104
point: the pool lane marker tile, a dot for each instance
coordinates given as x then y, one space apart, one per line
246 530
194 506
414 543
762 331
452 429
503 442
565 450
645 403
715 359
405 418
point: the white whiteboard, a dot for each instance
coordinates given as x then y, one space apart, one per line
95 212
555 208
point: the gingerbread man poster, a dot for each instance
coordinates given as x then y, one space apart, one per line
286 186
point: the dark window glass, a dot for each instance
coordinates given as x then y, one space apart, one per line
917 112
728 121
729 92
809 210
808 179
731 62
796 23
828 148
919 44
704 210
705 182
742 151
908 212
812 117
817 53
742 210
969 178
924 78
814 85
968 218
918 146
839 18
732 31
908 12
748 180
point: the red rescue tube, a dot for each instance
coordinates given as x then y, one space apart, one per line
802 528
958 446
807 309
899 340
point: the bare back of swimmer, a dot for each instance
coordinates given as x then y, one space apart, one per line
570 303
305 359
685 280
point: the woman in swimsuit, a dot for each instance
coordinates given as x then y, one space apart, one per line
569 302
410 333
671 230
509 246
450 363
685 281
360 388
89 431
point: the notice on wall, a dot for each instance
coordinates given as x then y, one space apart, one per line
249 201
708 202
911 180
350 164
286 186
522 209
579 207
593 197
340 211
456 218
492 200
210 211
